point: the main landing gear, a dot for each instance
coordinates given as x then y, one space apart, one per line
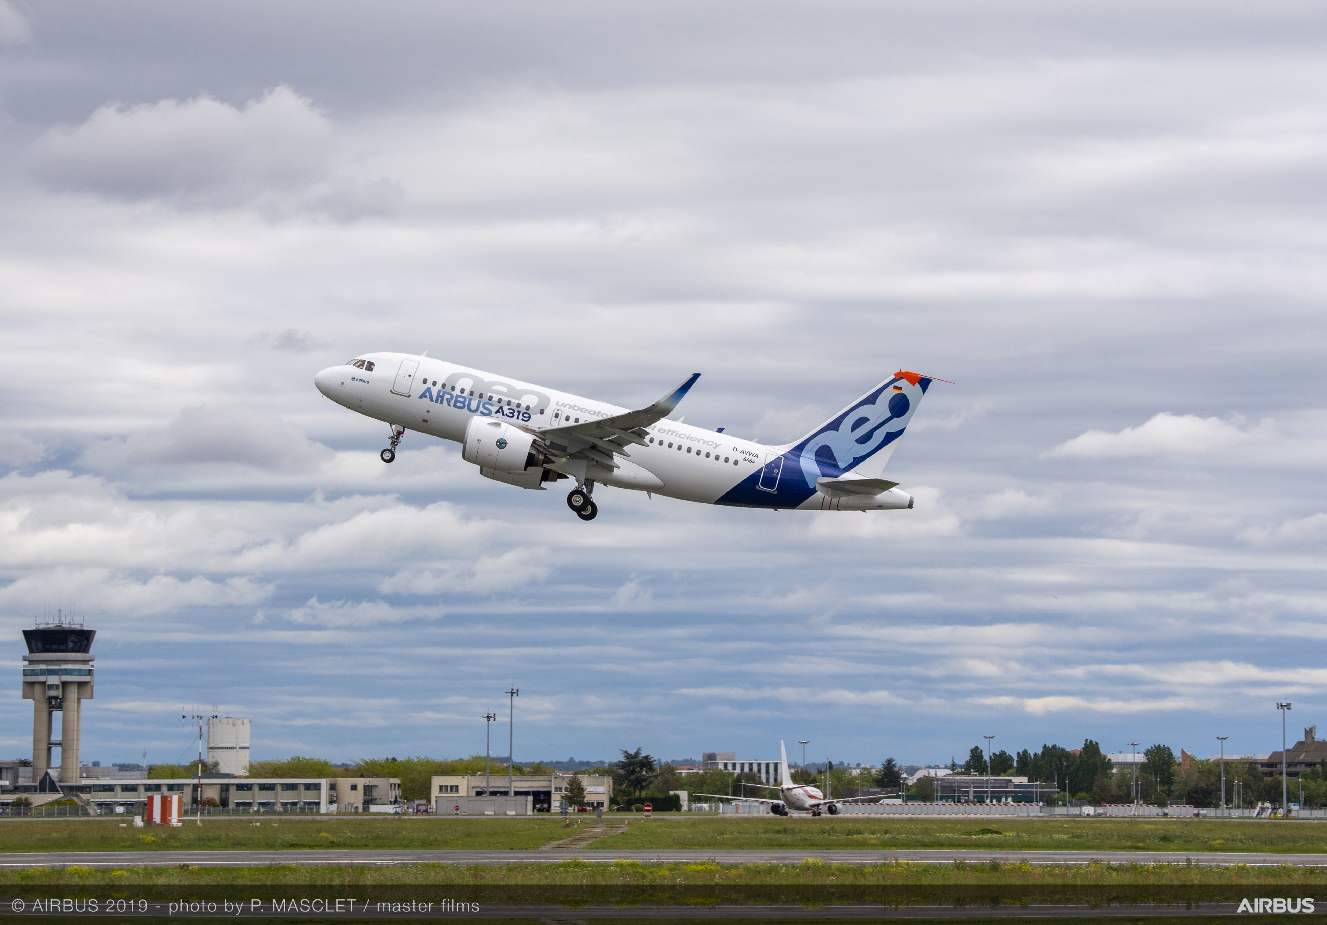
579 500
389 454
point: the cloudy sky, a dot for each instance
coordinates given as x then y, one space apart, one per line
1104 222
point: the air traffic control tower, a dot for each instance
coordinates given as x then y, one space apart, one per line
57 676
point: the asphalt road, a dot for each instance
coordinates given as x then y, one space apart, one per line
553 856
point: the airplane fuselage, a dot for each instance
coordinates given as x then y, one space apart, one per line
673 459
802 797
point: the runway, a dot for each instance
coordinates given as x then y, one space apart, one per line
555 856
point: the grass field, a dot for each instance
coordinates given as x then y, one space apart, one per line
630 873
275 835
1012 834
851 833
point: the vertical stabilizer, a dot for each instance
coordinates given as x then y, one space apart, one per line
861 437
785 779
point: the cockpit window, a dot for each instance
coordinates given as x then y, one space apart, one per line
366 365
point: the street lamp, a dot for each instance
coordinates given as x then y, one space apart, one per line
512 694
1222 740
988 768
1134 771
489 718
804 743
1284 708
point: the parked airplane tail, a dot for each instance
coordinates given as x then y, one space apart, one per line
861 437
785 778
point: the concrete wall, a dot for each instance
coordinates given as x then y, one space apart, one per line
483 806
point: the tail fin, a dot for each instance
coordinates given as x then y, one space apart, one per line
861 437
785 778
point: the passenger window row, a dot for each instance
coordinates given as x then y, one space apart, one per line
708 454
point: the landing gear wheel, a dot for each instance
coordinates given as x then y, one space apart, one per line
589 511
577 499
389 454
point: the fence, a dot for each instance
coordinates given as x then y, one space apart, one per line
67 811
1018 810
941 809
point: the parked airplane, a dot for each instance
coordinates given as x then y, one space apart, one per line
528 435
799 798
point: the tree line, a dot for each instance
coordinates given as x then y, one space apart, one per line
1086 774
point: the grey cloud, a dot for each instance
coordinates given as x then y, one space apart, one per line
18 450
200 149
274 152
14 28
292 340
207 435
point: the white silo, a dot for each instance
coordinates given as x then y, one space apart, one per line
228 744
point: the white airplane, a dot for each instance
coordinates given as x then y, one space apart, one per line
528 435
798 798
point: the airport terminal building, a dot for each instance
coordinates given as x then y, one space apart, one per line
542 793
106 795
978 788
767 770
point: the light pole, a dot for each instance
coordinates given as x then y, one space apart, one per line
1133 759
198 718
988 768
1222 740
1284 708
512 694
804 743
488 730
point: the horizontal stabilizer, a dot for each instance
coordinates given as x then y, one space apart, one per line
849 485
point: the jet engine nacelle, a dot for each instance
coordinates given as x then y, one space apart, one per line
778 809
500 448
832 809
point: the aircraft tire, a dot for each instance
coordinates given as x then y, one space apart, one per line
387 455
589 512
577 499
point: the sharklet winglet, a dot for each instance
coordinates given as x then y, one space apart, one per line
672 400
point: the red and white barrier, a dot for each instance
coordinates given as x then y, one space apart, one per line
163 809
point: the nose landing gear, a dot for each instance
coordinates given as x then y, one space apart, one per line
579 500
389 455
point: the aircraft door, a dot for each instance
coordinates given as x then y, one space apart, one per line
405 376
769 476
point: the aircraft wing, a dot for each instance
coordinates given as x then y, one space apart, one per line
602 439
725 796
872 798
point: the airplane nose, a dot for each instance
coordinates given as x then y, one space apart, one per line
328 380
